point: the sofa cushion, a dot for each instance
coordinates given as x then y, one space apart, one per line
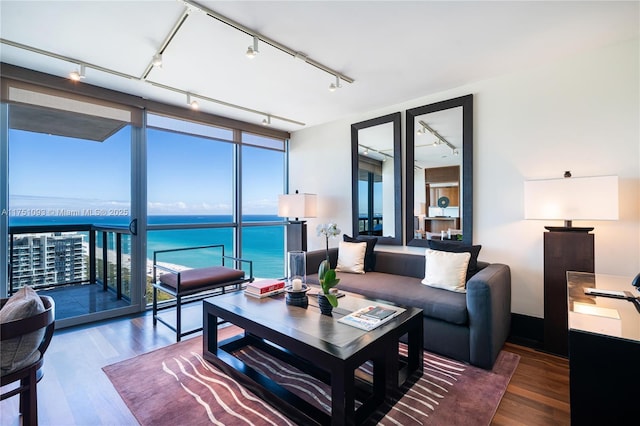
410 265
21 351
446 270
369 256
351 257
408 291
452 247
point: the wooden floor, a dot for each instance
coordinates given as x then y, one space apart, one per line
75 391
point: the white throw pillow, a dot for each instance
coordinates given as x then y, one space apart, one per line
351 257
446 270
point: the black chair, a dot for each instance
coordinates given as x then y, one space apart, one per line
30 375
193 285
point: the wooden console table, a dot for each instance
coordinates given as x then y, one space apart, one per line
604 350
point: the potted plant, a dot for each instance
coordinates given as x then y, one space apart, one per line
327 276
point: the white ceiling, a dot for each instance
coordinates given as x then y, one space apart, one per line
395 51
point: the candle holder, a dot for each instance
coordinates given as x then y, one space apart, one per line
297 264
297 297
297 279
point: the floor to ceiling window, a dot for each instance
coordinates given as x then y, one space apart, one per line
69 202
195 184
95 187
263 173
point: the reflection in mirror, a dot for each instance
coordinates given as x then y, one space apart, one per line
439 152
376 178
437 166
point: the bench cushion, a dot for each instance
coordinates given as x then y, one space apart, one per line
191 279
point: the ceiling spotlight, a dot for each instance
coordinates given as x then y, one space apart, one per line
366 151
267 121
157 60
78 75
456 152
252 51
336 85
192 103
420 131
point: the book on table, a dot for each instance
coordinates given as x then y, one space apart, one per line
371 317
264 287
267 294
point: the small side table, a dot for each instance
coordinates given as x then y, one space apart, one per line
604 351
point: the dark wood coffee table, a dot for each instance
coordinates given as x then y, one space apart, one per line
320 346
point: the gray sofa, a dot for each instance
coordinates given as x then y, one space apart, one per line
470 327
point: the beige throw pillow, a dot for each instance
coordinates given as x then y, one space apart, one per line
21 351
446 270
351 257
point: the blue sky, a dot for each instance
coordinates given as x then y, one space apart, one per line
186 174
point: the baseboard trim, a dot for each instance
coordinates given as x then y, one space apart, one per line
527 331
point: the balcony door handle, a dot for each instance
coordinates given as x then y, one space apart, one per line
133 227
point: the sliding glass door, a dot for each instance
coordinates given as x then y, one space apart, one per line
69 210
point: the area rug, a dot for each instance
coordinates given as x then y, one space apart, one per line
176 386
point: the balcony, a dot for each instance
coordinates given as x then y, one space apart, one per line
101 282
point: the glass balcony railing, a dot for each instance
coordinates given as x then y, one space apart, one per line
54 256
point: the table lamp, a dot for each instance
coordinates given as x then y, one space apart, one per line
297 206
567 248
571 198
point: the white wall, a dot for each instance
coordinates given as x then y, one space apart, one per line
579 114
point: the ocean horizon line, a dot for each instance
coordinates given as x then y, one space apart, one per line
264 245
155 219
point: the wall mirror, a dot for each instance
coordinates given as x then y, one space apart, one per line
439 164
377 179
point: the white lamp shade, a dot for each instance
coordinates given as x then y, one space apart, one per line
297 205
584 198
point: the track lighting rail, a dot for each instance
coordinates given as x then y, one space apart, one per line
67 59
132 77
223 103
369 150
437 135
238 26
191 6
165 43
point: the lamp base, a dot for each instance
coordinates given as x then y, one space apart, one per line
567 229
296 235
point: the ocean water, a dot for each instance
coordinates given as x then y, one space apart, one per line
263 245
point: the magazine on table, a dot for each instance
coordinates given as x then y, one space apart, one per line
371 316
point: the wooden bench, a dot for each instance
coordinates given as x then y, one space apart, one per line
193 285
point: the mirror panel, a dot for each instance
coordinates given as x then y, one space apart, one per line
439 164
376 185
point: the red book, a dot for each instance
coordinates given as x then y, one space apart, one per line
264 286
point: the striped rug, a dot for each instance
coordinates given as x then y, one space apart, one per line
176 386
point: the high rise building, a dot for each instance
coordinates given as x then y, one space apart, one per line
47 259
